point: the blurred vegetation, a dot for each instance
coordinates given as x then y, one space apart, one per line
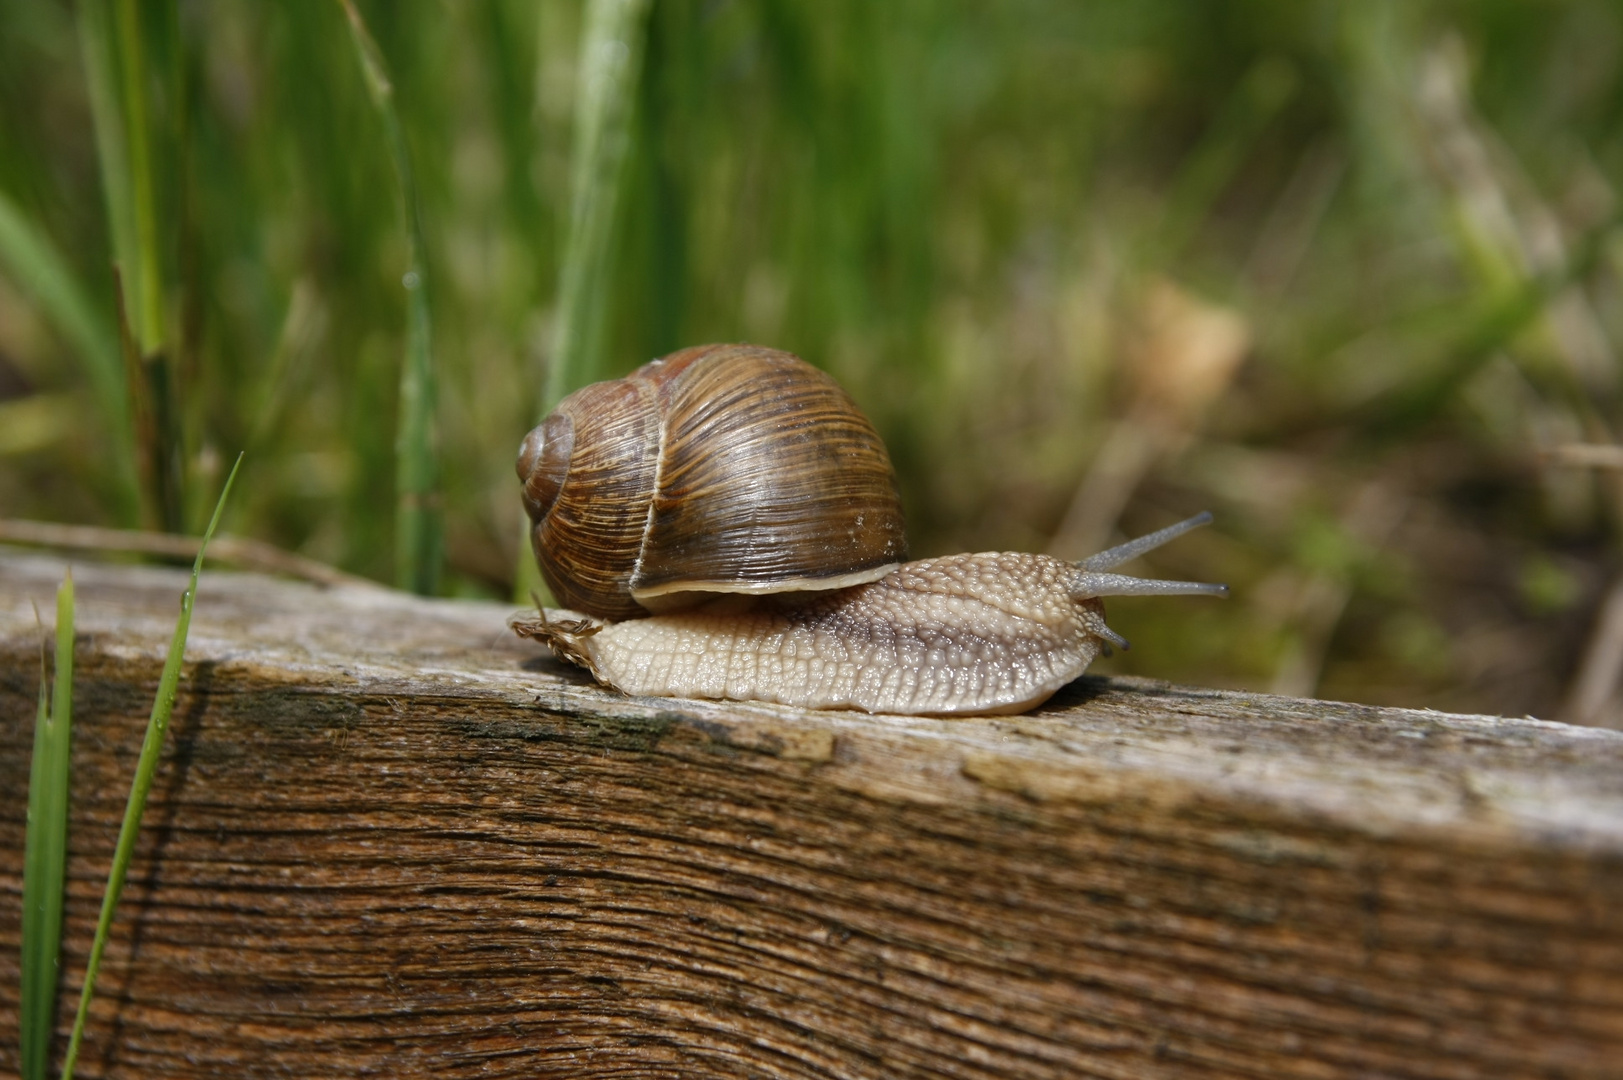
1344 273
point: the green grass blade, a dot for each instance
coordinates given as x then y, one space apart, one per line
142 274
35 263
101 81
146 766
45 861
115 71
31 1006
1401 412
419 538
110 37
610 63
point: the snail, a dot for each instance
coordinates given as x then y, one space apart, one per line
724 523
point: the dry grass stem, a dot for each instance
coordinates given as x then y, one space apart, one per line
1584 456
240 551
1594 695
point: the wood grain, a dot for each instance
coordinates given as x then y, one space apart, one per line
389 840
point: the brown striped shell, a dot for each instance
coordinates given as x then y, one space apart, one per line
717 469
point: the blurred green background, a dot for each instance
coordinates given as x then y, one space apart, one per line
1345 274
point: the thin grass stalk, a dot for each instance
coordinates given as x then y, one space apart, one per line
143 273
157 457
116 77
610 65
146 766
516 121
34 1050
192 280
159 367
101 80
1399 413
419 543
45 859
37 265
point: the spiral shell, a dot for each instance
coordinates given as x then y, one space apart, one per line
717 469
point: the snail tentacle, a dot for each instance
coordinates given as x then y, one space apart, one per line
1132 549
1084 585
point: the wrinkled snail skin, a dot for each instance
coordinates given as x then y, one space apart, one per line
964 634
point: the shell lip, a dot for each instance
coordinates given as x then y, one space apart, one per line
669 596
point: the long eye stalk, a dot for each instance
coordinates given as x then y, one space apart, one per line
1091 579
1134 548
1087 585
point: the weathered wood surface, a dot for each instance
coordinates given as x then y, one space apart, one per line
389 840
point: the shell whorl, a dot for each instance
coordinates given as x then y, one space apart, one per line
721 468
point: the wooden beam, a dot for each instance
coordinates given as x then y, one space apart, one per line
389 839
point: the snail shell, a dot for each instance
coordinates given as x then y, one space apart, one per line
717 469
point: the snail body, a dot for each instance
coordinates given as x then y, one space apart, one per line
840 626
994 632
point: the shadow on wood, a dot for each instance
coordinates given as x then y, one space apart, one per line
387 838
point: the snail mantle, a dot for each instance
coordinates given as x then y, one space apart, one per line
387 837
